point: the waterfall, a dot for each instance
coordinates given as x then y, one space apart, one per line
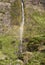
22 26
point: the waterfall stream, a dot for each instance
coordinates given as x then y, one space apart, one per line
22 26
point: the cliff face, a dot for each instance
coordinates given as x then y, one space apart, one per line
4 15
33 42
10 16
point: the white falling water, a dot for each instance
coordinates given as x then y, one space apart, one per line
22 26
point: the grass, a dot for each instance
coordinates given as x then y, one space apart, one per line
40 17
37 59
34 32
34 23
9 46
10 49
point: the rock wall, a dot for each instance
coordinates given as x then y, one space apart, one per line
10 11
4 15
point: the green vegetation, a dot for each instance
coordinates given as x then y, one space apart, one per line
33 36
9 50
8 46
